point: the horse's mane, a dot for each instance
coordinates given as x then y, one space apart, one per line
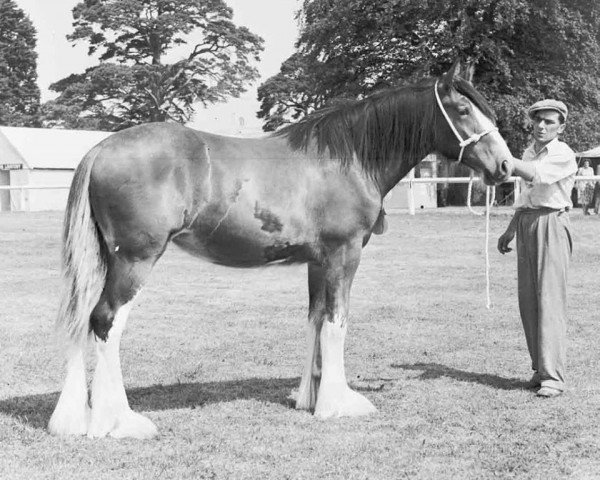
383 127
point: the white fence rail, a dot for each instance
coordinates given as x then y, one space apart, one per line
34 187
409 181
513 180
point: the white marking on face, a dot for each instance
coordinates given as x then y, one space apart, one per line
486 124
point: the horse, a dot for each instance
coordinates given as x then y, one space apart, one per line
310 193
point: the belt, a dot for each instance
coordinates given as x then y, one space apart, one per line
543 210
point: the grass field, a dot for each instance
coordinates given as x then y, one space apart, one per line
211 355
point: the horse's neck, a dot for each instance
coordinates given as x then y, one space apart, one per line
393 173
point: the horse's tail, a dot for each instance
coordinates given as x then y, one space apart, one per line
83 257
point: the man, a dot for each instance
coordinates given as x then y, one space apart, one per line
585 188
541 224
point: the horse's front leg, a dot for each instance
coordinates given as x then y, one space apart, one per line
334 397
311 376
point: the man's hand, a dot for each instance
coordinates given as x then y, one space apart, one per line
504 240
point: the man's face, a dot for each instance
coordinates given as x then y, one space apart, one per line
546 126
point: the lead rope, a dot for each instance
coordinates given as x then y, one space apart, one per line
469 193
490 194
463 143
490 197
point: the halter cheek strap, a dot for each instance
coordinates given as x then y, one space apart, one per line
463 143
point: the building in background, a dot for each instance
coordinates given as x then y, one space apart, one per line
40 157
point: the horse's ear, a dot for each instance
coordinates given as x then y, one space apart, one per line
455 70
448 78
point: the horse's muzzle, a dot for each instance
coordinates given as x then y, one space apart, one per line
502 175
506 169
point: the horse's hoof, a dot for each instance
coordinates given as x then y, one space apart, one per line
300 403
63 424
306 396
134 425
124 424
342 402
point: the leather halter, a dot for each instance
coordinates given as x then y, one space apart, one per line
461 142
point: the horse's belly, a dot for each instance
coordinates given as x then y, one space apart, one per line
239 245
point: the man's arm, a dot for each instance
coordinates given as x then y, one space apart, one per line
525 170
508 235
558 164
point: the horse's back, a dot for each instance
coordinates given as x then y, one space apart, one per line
149 150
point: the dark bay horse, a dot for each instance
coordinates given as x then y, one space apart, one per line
313 193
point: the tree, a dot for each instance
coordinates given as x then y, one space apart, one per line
19 93
520 51
134 83
290 94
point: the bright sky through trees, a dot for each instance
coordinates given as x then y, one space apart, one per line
273 20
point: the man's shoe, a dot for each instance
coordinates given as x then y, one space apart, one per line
548 392
534 382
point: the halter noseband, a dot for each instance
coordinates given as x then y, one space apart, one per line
461 142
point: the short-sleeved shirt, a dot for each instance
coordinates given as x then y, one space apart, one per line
555 169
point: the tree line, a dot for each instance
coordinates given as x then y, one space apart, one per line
158 59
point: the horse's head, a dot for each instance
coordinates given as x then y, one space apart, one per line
467 129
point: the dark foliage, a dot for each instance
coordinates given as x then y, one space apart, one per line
19 93
519 51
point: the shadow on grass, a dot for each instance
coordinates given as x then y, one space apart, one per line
35 410
432 371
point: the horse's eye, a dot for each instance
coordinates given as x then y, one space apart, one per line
463 111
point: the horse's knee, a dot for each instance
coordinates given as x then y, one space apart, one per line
101 319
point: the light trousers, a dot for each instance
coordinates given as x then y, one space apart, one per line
544 248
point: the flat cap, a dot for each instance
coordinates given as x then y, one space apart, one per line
548 104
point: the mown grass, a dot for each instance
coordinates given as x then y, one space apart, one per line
211 355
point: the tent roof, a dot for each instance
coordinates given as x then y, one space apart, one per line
592 153
8 153
45 148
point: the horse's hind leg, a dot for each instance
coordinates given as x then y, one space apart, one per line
71 415
111 414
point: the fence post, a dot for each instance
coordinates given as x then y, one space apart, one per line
410 192
516 190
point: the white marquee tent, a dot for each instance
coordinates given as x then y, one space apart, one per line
592 153
40 157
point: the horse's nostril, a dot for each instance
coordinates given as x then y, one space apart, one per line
505 167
